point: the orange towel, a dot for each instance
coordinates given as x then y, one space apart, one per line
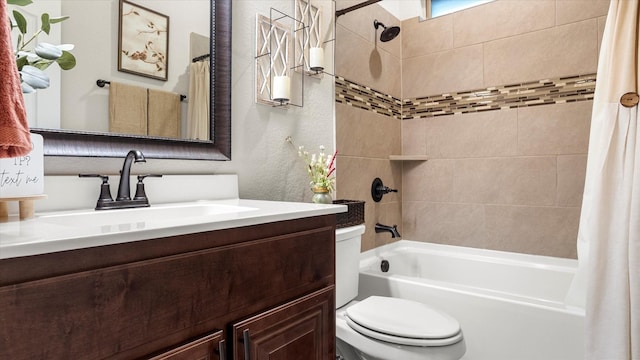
15 139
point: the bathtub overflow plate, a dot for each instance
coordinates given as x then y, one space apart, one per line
384 266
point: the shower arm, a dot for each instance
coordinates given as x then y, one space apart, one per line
355 7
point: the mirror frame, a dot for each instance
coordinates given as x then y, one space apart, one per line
95 144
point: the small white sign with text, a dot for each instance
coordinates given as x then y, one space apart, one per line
23 175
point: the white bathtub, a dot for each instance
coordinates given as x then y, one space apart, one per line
510 306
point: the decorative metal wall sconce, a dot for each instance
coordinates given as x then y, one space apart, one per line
314 61
278 83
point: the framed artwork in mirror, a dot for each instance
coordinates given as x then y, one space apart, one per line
80 143
143 41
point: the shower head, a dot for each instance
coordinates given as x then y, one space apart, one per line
389 33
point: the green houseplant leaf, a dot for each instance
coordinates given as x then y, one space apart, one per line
46 25
30 60
19 2
55 20
47 21
21 22
67 61
21 61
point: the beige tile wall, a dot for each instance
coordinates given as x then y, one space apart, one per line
526 164
568 11
365 139
570 49
432 73
509 179
360 55
502 19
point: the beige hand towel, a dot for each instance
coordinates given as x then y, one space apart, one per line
15 139
198 107
127 109
164 114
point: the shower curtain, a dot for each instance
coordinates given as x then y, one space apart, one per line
198 108
609 235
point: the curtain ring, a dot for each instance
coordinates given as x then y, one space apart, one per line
629 99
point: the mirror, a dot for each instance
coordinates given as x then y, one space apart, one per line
66 142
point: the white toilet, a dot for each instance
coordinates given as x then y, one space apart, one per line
385 328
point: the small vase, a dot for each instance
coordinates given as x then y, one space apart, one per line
321 196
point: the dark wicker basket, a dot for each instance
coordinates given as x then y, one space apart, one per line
353 216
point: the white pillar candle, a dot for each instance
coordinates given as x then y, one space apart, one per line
316 58
281 88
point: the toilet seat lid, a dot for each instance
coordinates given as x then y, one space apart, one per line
403 321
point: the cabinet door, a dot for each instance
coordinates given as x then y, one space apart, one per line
301 329
90 314
209 347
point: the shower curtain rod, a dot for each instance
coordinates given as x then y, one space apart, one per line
355 7
200 58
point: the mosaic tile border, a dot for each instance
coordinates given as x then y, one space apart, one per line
535 93
366 98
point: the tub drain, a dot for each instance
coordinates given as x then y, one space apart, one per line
384 266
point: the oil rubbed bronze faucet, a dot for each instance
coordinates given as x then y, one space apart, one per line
124 190
123 200
386 228
378 189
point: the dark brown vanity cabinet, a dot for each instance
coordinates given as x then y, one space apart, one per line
265 288
296 330
206 348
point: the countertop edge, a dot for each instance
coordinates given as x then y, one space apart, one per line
42 242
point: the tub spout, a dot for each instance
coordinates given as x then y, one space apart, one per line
392 229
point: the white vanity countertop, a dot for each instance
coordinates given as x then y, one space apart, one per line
68 230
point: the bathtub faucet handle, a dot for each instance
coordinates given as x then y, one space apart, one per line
386 189
378 189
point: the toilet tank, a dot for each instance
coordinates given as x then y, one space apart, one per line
347 263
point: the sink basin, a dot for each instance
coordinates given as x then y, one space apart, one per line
187 212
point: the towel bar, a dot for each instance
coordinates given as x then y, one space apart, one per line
102 83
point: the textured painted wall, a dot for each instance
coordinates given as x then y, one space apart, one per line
85 106
268 166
